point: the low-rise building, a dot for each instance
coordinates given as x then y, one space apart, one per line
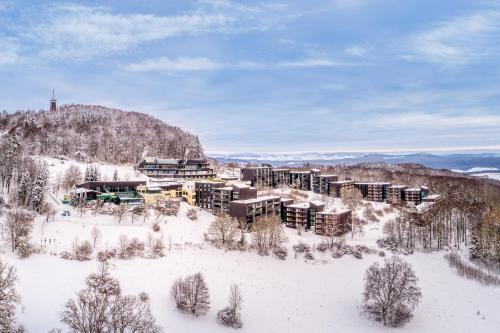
259 176
176 168
249 210
416 194
303 214
281 177
321 183
222 196
338 188
300 180
204 193
395 194
376 191
332 223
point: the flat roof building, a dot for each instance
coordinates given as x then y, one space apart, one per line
176 168
247 211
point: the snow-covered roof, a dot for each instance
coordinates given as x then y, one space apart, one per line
317 202
258 199
398 186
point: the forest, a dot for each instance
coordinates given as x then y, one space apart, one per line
98 133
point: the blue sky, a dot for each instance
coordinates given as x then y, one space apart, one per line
268 76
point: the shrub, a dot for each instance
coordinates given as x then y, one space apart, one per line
156 227
230 316
281 252
191 294
471 272
192 214
302 247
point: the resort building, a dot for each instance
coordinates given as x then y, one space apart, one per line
303 214
281 177
204 193
222 196
247 211
338 188
332 223
258 176
373 191
174 168
321 183
416 194
396 194
300 180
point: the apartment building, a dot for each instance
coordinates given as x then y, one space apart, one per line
204 193
332 223
303 214
416 194
175 168
300 180
281 177
284 202
258 176
337 188
321 183
376 191
247 211
396 194
222 196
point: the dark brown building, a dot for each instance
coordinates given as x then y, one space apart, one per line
300 180
174 168
337 188
204 193
258 176
396 194
332 223
222 196
247 211
303 214
321 183
281 177
376 191
112 186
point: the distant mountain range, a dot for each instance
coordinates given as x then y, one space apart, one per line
462 161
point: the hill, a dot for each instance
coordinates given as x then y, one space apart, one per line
98 133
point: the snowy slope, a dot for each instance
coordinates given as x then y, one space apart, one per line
295 295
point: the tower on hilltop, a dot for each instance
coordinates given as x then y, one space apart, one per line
53 102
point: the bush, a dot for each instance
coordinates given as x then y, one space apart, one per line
83 251
192 214
156 227
103 256
281 252
471 272
302 247
230 315
309 256
25 250
322 247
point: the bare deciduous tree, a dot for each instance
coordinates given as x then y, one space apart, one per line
268 234
95 235
231 315
352 199
223 230
8 297
72 176
119 211
391 292
101 307
18 226
191 294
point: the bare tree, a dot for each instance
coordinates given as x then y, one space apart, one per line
95 236
352 199
191 294
101 307
8 297
223 230
119 211
72 176
268 234
18 225
391 292
231 315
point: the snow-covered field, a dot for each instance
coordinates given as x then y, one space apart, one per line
294 295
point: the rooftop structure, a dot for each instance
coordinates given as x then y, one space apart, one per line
176 168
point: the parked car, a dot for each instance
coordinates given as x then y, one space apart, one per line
66 213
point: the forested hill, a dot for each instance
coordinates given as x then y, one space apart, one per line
99 134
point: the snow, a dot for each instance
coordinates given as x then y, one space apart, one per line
294 295
489 175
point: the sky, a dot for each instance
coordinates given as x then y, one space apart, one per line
268 76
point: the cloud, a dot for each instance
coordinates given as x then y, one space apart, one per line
458 41
9 53
356 51
313 62
179 64
79 32
421 120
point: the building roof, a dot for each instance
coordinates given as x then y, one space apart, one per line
413 189
173 161
113 183
399 186
317 202
258 199
334 212
373 183
302 205
225 188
